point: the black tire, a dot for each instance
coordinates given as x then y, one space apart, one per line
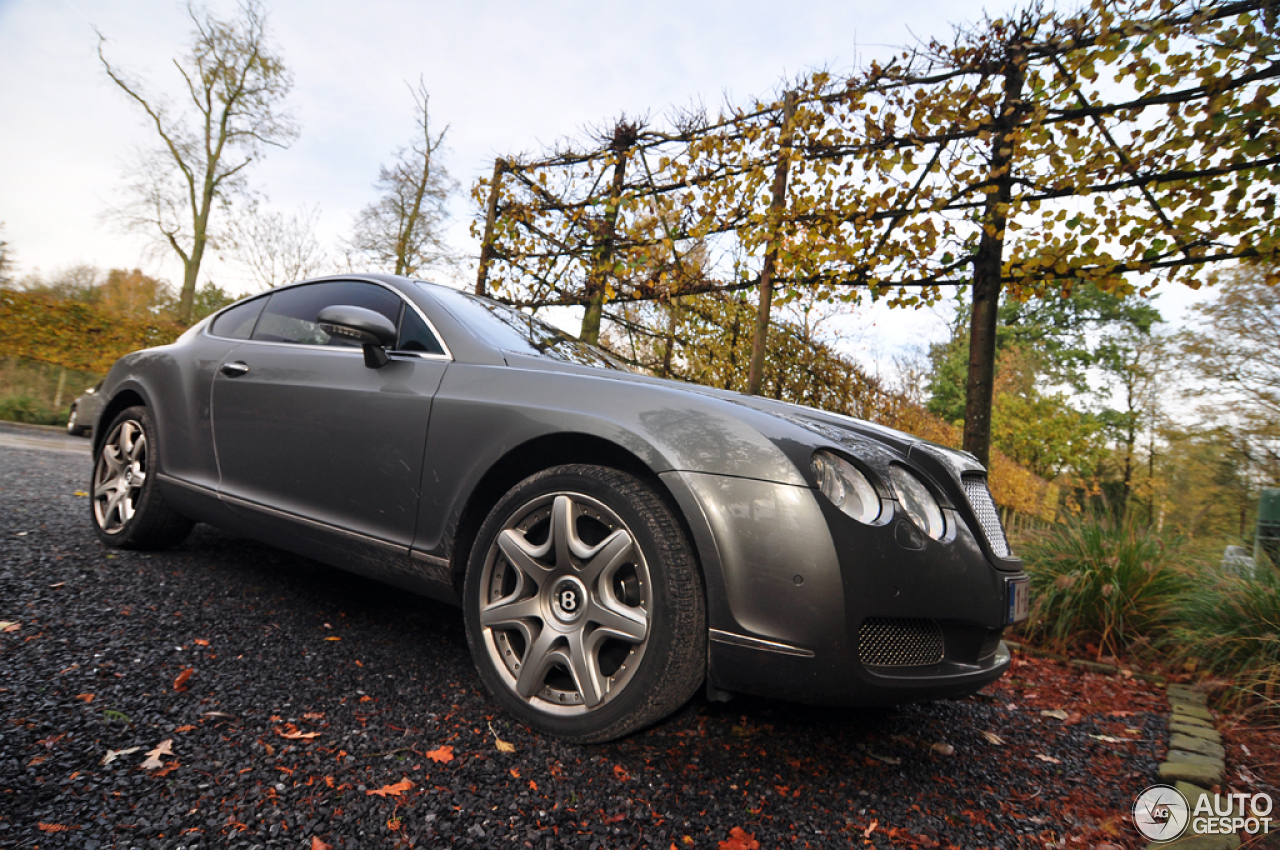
618 637
74 428
126 505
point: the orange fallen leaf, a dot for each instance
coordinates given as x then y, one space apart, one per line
200 642
180 683
86 698
167 769
442 754
621 772
740 839
314 715
392 790
366 698
186 728
9 626
515 773
317 844
54 827
291 732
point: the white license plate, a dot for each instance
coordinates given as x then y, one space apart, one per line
1017 600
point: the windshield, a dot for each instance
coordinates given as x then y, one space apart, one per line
510 329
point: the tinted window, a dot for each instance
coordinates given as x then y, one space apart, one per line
237 323
511 330
291 314
416 336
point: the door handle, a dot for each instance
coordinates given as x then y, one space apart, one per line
234 370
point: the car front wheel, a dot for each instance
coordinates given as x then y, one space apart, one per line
129 512
584 604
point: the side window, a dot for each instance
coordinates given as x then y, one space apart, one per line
237 323
416 336
291 314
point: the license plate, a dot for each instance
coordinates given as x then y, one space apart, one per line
1017 600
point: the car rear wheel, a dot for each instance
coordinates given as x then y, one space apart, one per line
129 512
584 604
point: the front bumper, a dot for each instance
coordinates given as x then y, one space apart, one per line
806 604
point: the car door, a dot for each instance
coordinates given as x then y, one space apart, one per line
308 436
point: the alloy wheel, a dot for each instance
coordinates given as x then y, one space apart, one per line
566 603
119 477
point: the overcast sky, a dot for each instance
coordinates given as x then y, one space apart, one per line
506 77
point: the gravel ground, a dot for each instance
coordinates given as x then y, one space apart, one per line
306 708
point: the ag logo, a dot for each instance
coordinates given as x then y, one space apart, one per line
1161 813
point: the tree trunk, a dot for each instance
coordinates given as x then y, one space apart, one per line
490 219
602 270
777 205
988 269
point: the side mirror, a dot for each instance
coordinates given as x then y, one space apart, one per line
372 330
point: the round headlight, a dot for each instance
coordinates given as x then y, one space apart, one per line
918 502
846 487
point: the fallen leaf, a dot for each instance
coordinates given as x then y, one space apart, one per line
1072 719
621 772
80 493
218 715
333 638
9 626
1049 759
54 827
612 819
503 746
314 715
1109 739
58 585
943 749
112 755
866 833
366 698
167 769
1055 713
180 683
153 762
317 844
740 839
391 790
293 734
187 728
85 698
442 754
993 738
885 759
200 642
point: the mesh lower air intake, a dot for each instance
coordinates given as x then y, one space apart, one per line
899 643
975 490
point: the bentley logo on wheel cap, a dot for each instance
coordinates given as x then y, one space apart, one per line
568 599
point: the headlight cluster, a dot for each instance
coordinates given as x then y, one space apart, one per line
846 487
850 491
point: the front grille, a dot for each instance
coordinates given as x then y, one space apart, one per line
899 643
975 490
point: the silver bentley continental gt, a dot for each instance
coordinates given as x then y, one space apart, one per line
615 541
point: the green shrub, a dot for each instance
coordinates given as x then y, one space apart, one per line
1232 625
25 408
1096 580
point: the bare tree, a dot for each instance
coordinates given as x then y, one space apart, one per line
401 231
234 83
275 248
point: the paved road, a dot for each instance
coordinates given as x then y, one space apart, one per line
18 436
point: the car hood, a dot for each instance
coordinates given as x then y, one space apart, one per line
857 435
